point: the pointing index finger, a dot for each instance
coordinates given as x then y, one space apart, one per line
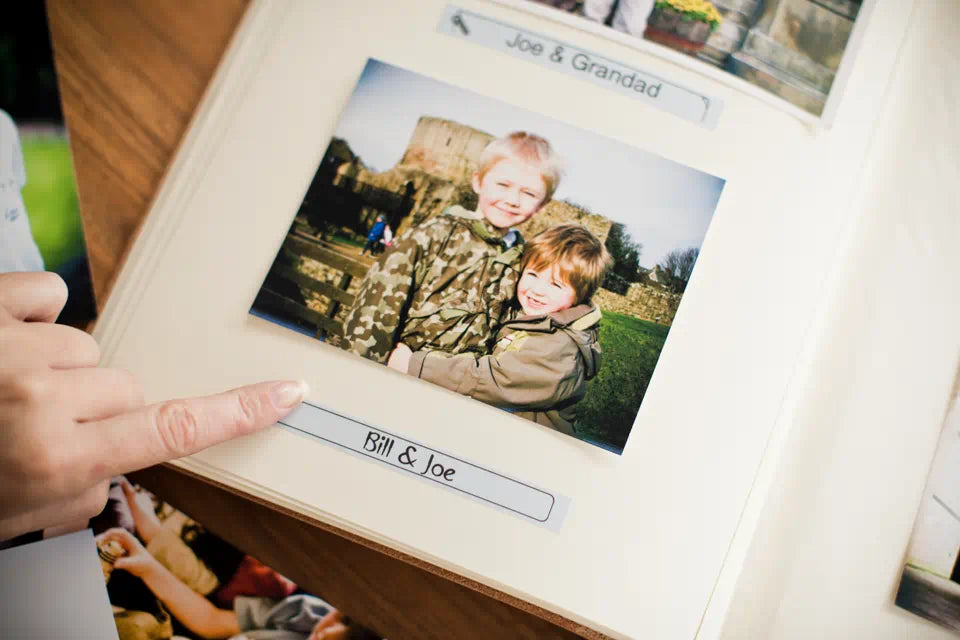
178 428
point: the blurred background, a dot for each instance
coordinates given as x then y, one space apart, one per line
30 95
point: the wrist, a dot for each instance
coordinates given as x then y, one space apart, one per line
146 568
148 531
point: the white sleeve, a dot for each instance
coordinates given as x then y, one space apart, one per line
11 154
18 250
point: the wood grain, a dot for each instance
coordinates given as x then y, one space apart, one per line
395 595
131 74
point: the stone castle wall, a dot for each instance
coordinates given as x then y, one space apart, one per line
559 212
445 148
641 301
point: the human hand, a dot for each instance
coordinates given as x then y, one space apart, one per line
400 358
136 559
68 426
330 627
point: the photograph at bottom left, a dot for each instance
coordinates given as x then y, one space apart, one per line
168 577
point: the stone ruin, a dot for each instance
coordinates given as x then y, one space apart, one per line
438 164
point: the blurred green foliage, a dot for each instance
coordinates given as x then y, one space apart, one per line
50 196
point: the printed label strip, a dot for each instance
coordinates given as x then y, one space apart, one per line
467 478
580 63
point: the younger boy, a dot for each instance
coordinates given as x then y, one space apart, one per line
444 284
547 349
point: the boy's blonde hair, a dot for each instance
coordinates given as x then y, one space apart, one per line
528 148
580 257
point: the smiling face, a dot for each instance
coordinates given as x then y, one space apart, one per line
509 193
542 291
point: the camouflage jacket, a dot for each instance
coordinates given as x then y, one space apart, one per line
442 286
538 369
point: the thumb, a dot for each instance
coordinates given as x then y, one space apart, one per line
178 428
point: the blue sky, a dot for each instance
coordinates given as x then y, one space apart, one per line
663 204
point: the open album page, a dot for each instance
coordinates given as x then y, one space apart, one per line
549 315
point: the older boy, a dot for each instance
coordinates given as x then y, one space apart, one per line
444 284
547 349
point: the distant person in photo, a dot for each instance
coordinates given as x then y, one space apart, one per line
547 349
376 233
386 241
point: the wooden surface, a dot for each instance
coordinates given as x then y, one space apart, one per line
131 74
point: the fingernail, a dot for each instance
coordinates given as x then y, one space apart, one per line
287 395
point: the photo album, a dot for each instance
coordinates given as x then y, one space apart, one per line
616 308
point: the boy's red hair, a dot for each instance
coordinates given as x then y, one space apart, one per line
580 257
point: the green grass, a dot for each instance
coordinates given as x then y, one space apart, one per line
630 351
50 196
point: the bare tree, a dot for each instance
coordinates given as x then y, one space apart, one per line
678 264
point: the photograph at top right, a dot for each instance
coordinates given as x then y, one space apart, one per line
790 48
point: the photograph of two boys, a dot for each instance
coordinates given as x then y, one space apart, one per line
500 254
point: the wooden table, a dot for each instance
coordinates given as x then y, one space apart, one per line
131 74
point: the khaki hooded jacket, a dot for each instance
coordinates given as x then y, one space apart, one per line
538 369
